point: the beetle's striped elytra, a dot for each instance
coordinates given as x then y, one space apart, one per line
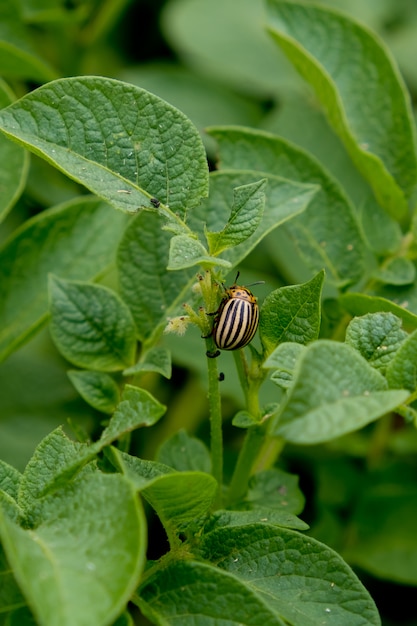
237 318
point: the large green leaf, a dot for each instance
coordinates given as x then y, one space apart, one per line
301 580
121 142
82 562
257 574
335 391
190 593
91 326
292 313
361 90
76 240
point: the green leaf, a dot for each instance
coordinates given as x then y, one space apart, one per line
360 304
383 234
361 91
140 472
150 291
206 595
55 459
186 251
284 360
275 490
121 142
334 392
9 479
14 161
91 326
244 419
398 271
10 595
96 388
203 99
301 580
329 210
17 57
181 499
284 200
91 579
247 211
292 313
137 408
76 240
185 453
259 515
402 369
154 360
377 336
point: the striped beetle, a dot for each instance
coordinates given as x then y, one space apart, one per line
236 319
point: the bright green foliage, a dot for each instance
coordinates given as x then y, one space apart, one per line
76 240
283 361
375 123
292 314
402 369
328 211
58 573
185 453
136 408
187 252
361 304
284 200
150 291
377 336
155 360
334 392
276 490
97 388
258 573
246 214
327 388
91 326
155 142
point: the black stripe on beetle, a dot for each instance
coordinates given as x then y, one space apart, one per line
237 319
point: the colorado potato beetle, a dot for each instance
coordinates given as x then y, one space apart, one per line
236 319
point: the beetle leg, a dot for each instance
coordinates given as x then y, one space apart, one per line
213 355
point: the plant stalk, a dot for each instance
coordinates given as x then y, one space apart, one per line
216 431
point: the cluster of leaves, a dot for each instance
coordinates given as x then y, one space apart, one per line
72 527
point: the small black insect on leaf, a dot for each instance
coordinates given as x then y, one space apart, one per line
155 202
